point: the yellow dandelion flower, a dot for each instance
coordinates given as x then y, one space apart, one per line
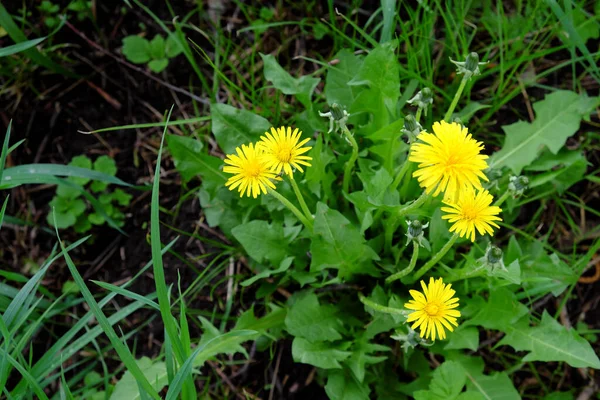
251 173
283 151
472 211
449 159
434 309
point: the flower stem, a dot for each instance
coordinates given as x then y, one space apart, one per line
380 308
418 114
411 265
412 206
303 205
463 82
502 199
421 271
307 223
351 161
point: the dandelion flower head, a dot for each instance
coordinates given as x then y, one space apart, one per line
449 159
284 151
251 174
472 212
434 309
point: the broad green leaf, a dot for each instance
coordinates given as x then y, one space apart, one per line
388 144
557 118
463 338
173 47
447 383
273 320
501 310
82 162
319 176
467 112
302 87
158 65
136 49
559 396
497 386
285 265
341 385
191 161
310 320
157 47
543 273
337 89
471 396
376 185
319 354
219 208
380 71
550 341
127 387
339 245
263 241
562 170
362 354
233 127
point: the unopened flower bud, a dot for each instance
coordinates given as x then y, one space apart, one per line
337 112
415 232
492 260
411 128
423 99
469 67
517 185
337 117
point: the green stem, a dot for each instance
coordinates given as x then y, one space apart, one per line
300 198
411 265
413 206
502 199
434 260
418 114
307 223
463 82
400 175
390 227
351 161
380 308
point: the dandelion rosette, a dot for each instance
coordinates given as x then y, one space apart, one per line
283 151
449 159
472 212
251 173
434 309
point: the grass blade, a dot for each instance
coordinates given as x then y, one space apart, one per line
17 48
120 348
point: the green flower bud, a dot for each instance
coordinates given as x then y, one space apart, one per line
469 67
423 99
411 128
337 117
415 232
517 185
492 260
337 112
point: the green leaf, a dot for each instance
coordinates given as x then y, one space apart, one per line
310 320
230 346
562 170
273 320
388 145
550 341
105 165
157 47
341 385
283 266
233 127
319 176
339 245
559 396
81 162
122 198
302 87
127 387
501 310
362 354
263 241
557 118
463 338
136 49
380 71
319 354
337 89
191 161
447 383
173 47
497 386
158 65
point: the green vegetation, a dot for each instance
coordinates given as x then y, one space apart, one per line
307 281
